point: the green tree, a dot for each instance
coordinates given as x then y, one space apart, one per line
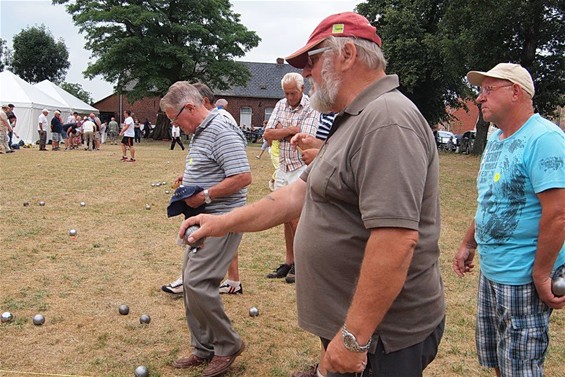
478 34
410 30
77 91
37 56
4 55
144 46
147 45
432 44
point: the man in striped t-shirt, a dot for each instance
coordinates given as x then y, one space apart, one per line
217 162
291 115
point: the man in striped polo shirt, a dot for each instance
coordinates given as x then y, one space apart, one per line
291 115
217 161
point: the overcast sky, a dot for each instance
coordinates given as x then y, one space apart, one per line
283 26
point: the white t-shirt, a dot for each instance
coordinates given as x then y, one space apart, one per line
175 132
44 122
129 132
71 119
88 126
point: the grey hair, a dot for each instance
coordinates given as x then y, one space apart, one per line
368 52
293 77
204 91
221 102
179 94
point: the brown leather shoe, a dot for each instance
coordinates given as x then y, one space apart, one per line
220 364
189 362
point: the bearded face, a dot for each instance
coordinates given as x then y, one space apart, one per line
324 95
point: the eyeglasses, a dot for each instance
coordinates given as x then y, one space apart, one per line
486 90
174 120
317 51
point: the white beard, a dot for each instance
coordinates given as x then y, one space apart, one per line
324 97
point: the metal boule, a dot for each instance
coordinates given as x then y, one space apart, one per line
7 317
148 206
42 203
38 319
141 371
558 286
73 232
253 311
123 309
82 204
144 319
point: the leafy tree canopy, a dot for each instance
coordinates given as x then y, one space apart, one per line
37 56
432 44
4 53
77 91
147 45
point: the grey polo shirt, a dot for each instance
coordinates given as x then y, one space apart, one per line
217 151
379 169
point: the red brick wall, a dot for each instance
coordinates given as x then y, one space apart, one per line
147 107
257 105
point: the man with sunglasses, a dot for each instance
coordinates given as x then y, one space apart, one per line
519 226
367 256
216 162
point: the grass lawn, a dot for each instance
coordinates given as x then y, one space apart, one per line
124 252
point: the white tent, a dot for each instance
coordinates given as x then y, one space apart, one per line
28 101
61 95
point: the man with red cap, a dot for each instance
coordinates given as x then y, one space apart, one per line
366 248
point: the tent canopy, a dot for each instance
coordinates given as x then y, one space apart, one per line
29 101
61 95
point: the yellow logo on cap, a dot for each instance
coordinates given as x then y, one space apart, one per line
337 28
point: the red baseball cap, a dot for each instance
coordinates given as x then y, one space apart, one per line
347 24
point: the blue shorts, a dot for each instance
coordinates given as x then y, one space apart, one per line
512 331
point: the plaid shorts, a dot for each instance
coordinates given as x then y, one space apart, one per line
512 331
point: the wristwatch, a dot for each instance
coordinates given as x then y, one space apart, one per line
350 342
207 198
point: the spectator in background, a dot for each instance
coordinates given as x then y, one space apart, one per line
290 116
42 129
128 134
13 120
146 128
103 127
4 129
137 131
56 130
88 129
175 136
113 131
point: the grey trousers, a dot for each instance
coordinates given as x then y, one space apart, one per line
210 328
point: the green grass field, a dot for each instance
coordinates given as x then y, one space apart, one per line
123 253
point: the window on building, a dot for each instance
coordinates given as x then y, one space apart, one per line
268 112
245 117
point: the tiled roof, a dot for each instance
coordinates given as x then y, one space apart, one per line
265 81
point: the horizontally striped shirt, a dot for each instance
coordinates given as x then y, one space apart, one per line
217 151
302 116
325 125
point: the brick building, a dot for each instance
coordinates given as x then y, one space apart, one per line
249 105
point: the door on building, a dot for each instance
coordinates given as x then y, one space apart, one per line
245 117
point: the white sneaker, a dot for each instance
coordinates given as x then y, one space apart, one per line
174 288
272 185
225 287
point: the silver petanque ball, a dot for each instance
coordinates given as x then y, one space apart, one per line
167 191
558 286
141 371
123 309
82 204
158 184
148 206
38 319
7 317
72 232
164 183
144 319
42 203
253 311
153 185
191 229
